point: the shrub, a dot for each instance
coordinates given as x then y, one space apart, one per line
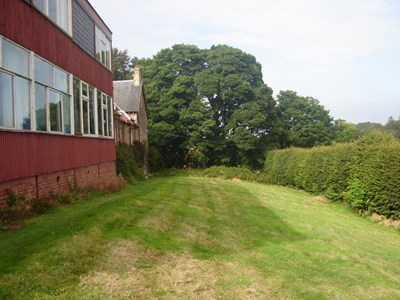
126 164
241 173
366 172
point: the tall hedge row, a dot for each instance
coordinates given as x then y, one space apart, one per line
366 173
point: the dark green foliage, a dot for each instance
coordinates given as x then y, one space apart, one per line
127 164
121 66
355 195
304 122
344 131
207 107
241 173
366 172
393 126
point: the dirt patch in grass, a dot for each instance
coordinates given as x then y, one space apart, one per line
385 222
236 180
132 271
376 217
390 223
119 276
320 198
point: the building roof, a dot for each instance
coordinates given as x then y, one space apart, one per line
124 117
127 96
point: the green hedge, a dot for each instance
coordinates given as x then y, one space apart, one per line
366 172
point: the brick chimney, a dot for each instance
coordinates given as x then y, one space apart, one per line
136 77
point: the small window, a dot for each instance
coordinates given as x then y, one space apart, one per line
61 80
67 113
43 72
99 113
22 104
103 48
57 10
6 100
40 106
77 105
110 116
91 111
15 59
55 111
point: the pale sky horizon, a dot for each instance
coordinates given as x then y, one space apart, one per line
345 53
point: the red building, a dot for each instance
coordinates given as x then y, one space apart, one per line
56 110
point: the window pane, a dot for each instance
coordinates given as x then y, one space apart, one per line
63 14
40 106
43 72
99 113
6 100
22 104
103 48
91 110
77 105
53 10
67 113
85 89
110 111
105 121
15 58
55 111
85 112
40 5
61 78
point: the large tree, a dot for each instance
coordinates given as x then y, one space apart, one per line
210 105
121 64
303 121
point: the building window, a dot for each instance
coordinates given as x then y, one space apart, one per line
40 107
105 114
14 86
55 111
90 104
34 92
6 100
22 103
52 98
103 48
59 11
15 59
84 98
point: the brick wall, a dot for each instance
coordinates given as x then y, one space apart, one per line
26 187
55 183
107 176
87 177
59 183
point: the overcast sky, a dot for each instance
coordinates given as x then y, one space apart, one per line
345 53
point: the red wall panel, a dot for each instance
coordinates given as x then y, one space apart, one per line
27 27
25 154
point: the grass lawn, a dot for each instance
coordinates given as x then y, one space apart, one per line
197 238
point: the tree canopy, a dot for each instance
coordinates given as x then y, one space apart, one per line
211 107
211 100
304 122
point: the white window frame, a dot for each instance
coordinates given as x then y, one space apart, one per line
99 38
67 30
53 87
108 126
13 75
